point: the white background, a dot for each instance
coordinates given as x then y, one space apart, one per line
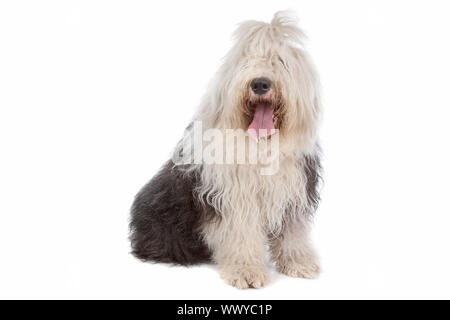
95 94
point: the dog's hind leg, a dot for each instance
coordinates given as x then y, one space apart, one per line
165 220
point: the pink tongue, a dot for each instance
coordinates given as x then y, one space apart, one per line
262 124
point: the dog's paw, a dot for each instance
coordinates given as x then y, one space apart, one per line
243 277
303 269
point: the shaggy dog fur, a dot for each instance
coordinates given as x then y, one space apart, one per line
229 213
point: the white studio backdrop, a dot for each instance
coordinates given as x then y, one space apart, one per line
95 94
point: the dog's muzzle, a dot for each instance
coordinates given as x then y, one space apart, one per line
263 122
260 86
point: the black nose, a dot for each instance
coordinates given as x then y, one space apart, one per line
260 85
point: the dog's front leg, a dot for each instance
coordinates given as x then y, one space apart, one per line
239 249
293 252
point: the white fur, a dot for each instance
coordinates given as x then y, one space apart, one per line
253 207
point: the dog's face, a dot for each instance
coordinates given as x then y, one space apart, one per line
267 82
263 105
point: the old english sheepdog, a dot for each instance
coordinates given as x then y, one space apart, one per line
253 188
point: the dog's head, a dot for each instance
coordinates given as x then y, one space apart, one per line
267 82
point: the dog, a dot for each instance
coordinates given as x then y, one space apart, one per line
267 94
